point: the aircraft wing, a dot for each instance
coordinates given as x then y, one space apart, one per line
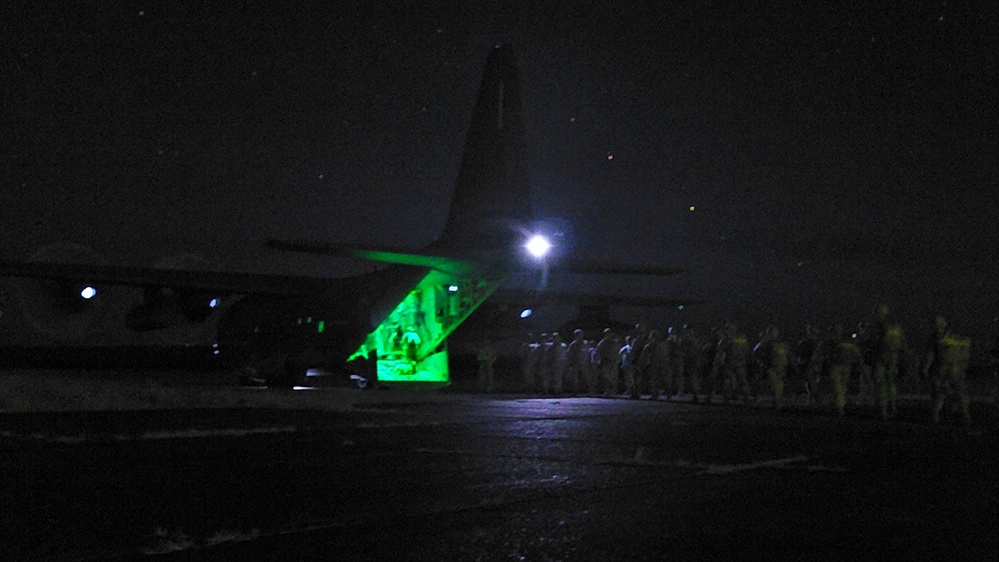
209 281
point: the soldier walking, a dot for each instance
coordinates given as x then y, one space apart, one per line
608 360
771 354
945 365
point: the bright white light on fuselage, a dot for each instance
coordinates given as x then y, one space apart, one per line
88 292
526 313
538 246
213 303
452 288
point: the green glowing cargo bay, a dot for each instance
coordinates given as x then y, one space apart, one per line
409 344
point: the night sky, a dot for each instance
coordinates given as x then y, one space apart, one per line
803 160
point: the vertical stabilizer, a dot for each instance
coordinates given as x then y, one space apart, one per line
492 199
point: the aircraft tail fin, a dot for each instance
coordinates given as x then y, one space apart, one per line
492 200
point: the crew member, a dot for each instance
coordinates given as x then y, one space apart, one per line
411 344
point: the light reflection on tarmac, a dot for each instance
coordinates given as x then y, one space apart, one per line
499 477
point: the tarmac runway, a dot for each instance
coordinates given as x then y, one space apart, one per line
502 477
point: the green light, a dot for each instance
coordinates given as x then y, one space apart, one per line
321 327
691 207
432 369
410 342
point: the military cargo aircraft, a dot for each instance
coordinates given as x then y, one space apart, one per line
390 325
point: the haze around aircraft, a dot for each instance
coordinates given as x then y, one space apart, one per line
390 325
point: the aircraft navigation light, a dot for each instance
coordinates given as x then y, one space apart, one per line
214 303
538 246
526 313
452 288
88 292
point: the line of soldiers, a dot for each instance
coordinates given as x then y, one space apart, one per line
665 365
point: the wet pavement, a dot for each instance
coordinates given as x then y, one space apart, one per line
499 478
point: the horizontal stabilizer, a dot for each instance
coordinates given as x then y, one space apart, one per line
547 297
461 261
607 268
454 264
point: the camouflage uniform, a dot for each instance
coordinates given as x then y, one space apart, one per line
842 358
694 362
651 366
554 365
578 359
772 355
887 349
531 356
487 358
607 359
638 343
711 360
676 372
802 359
732 360
627 355
946 364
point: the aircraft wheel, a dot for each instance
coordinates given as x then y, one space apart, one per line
248 376
284 373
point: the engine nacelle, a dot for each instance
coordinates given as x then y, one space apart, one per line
197 306
58 308
152 316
